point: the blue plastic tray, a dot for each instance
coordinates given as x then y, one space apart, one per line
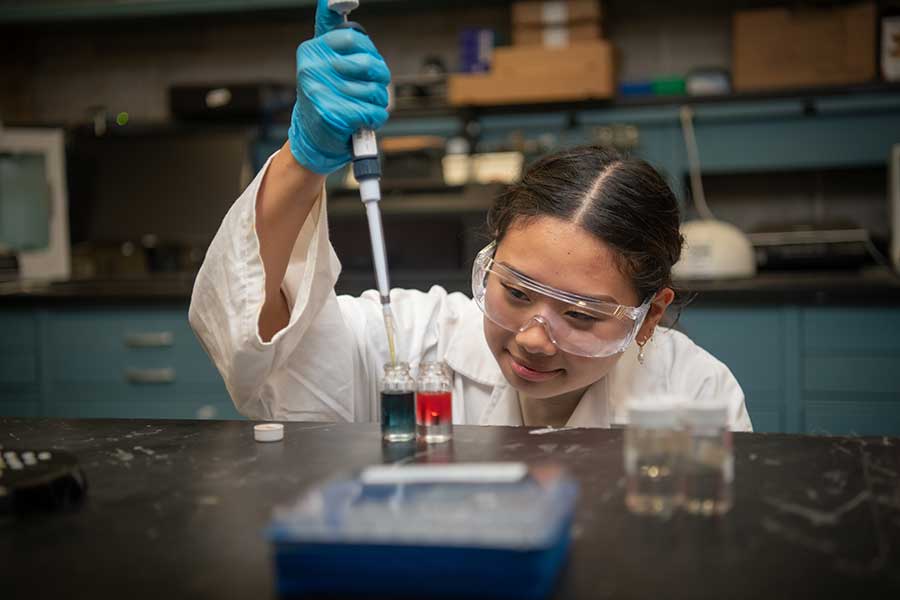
429 536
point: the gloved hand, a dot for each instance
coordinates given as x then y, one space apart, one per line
341 87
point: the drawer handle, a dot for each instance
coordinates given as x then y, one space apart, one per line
156 339
150 376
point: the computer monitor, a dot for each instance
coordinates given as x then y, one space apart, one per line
34 216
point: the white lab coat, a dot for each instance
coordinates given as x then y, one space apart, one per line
327 363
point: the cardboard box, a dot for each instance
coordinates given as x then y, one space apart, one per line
537 61
533 74
784 48
556 36
558 12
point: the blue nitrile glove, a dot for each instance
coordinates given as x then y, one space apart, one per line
341 87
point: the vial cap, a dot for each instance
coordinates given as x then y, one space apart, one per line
654 412
268 432
705 414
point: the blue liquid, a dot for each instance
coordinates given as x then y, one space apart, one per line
398 416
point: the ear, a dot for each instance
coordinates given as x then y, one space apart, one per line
658 306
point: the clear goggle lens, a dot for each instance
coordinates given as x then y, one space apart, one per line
575 324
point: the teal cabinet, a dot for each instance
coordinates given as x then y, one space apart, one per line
19 359
752 343
850 374
822 370
107 362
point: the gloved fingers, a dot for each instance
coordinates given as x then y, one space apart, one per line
371 116
326 20
313 67
349 41
363 67
344 113
363 91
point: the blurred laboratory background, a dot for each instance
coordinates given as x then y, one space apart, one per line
127 129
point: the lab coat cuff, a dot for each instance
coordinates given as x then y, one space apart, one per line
311 273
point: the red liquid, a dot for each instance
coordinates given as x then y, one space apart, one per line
433 408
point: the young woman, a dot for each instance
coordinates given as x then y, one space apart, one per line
563 327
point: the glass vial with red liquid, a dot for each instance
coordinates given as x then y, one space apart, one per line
434 403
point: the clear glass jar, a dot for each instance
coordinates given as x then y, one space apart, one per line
434 403
709 460
398 404
654 453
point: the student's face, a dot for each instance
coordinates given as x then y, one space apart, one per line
564 256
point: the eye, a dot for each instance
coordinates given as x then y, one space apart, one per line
582 317
515 294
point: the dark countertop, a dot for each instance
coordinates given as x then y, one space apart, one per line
877 286
138 289
176 509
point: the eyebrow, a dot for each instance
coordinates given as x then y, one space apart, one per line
602 299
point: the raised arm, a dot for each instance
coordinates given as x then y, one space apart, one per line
341 87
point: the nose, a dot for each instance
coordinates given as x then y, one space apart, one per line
534 337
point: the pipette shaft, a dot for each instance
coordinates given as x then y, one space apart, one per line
367 170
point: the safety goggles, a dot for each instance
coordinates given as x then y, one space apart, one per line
575 324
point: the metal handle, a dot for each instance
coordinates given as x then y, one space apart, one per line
152 339
150 376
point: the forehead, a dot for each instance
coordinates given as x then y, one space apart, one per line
565 256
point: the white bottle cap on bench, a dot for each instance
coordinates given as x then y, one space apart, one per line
268 432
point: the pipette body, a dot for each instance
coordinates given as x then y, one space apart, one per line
367 171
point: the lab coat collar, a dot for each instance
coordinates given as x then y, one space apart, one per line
468 353
592 410
503 407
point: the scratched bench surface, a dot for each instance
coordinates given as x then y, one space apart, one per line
178 507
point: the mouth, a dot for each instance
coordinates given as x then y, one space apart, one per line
529 373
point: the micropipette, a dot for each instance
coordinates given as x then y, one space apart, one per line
367 170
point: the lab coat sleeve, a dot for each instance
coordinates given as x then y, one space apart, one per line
227 298
326 363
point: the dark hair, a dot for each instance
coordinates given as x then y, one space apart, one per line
622 200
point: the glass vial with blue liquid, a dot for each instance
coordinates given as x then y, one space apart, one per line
398 404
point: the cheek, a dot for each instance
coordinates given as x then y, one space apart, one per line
586 371
495 336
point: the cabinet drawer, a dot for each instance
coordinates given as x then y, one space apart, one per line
18 367
127 347
156 407
852 373
18 329
749 341
872 330
852 417
19 405
18 348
